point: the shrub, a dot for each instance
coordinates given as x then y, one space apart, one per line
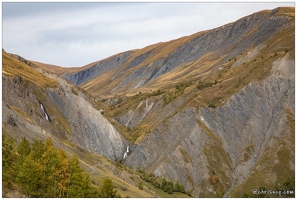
211 105
140 186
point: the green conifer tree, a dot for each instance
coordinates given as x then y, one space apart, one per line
107 190
37 150
177 187
24 148
75 188
62 173
50 164
29 178
7 158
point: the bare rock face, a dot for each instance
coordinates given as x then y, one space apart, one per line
227 141
89 128
133 117
72 116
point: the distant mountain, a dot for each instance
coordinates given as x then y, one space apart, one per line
213 111
187 58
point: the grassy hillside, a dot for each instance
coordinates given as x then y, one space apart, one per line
206 82
210 66
12 67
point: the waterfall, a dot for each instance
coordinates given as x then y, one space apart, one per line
127 152
42 107
46 116
125 155
44 112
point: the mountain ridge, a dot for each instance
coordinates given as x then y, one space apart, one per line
147 67
213 110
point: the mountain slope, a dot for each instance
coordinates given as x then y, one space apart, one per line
229 140
214 111
72 122
161 92
76 113
148 68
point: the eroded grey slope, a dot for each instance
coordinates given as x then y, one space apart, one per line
228 140
87 127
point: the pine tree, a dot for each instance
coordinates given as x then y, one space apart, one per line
164 183
75 184
24 148
37 150
177 187
182 189
62 173
7 158
50 164
107 190
140 186
88 189
48 144
29 177
79 185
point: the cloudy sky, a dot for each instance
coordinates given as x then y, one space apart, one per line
76 34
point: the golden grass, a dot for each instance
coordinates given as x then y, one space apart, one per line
22 113
13 67
290 11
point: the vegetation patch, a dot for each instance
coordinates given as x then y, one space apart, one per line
73 90
286 190
178 91
186 156
41 170
248 152
218 187
162 184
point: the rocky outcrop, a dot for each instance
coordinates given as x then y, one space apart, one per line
89 128
228 140
134 117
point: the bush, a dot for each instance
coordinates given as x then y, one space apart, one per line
107 191
211 105
140 186
170 191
